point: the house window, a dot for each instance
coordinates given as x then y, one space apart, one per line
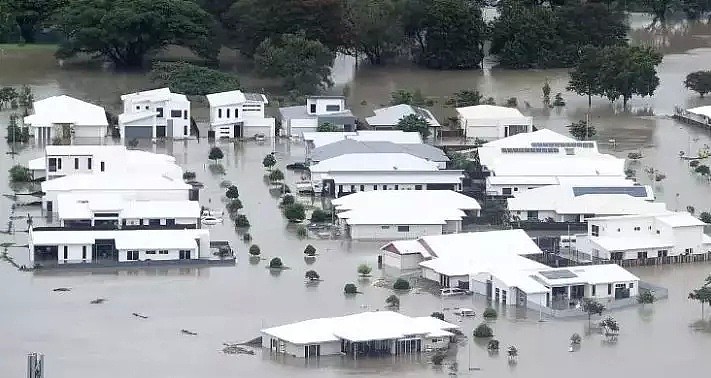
631 285
362 188
593 290
352 188
219 113
403 228
160 112
662 253
418 187
375 187
595 230
59 163
532 215
163 252
185 130
385 187
147 107
637 228
175 113
150 252
83 252
138 107
66 252
515 189
689 250
384 227
88 163
185 114
609 289
506 191
616 256
236 113
76 163
641 255
52 165
154 222
397 187
313 108
170 222
103 166
228 112
333 108
132 255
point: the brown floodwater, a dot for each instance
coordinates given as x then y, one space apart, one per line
231 304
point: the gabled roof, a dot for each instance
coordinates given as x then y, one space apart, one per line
490 112
235 97
372 162
350 146
318 139
65 109
135 116
525 139
391 115
118 181
154 95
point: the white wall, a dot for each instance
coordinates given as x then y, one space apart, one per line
297 126
74 253
497 190
297 350
158 195
89 131
322 103
390 232
452 227
173 254
402 262
430 274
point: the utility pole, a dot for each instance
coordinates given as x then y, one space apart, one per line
35 365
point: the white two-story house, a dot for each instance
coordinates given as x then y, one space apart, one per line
156 113
235 114
296 120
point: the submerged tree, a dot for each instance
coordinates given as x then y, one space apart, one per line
699 81
215 154
311 275
414 122
702 295
393 301
269 161
364 270
581 131
190 79
592 307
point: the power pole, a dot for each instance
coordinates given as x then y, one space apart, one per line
35 365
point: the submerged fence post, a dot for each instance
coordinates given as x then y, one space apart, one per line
35 365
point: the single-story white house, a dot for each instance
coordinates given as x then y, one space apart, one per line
61 161
489 122
567 203
137 186
66 118
235 114
387 118
390 215
359 335
296 120
156 113
644 236
352 146
500 266
89 210
381 171
68 246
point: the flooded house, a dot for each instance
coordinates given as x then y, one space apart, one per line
156 113
540 158
502 266
390 215
235 114
490 122
645 238
66 118
367 334
296 120
361 172
59 161
354 146
387 118
314 140
575 204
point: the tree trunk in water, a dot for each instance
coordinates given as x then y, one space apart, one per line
624 102
27 31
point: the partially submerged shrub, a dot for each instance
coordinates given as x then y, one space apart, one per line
483 330
401 284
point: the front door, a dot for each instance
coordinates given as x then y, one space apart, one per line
49 206
238 130
185 255
160 131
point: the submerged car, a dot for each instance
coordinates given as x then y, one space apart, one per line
210 220
451 291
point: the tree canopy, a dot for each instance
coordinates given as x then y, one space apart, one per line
581 130
190 79
699 81
30 15
125 31
414 122
374 28
303 64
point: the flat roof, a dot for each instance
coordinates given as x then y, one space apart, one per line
590 274
350 146
391 115
702 110
82 206
366 326
65 109
125 239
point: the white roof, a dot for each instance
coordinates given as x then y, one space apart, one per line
377 325
84 150
679 219
702 110
590 274
135 116
82 206
125 239
515 242
395 207
65 109
109 181
395 177
480 262
391 115
525 139
490 112
318 139
374 162
226 98
558 165
154 95
407 247
519 278
563 200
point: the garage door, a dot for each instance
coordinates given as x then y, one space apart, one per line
138 132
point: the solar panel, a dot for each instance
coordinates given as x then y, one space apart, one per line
634 191
558 274
539 150
563 144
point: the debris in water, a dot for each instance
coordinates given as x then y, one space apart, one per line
98 301
139 315
61 289
236 349
186 332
